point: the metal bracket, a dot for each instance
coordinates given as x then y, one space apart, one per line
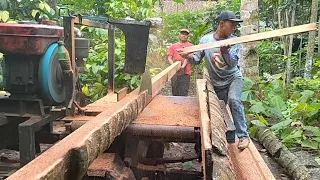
28 146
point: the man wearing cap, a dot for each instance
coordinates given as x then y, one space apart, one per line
180 82
222 64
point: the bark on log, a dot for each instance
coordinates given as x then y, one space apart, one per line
222 167
71 157
281 154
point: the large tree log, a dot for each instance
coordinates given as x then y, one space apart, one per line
71 157
220 155
281 154
227 158
215 160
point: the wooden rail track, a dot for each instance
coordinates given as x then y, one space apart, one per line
82 153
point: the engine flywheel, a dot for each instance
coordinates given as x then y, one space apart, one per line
51 77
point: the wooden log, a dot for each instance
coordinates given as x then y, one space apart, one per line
252 37
222 167
71 157
228 160
215 161
281 154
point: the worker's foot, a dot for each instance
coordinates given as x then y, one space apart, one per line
243 143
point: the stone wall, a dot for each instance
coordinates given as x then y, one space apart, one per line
169 6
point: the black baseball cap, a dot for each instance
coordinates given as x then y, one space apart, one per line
228 16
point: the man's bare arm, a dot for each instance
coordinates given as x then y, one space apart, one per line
170 59
185 62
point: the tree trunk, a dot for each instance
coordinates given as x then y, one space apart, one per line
293 13
282 154
282 38
312 36
249 56
319 36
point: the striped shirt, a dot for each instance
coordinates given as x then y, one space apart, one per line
223 68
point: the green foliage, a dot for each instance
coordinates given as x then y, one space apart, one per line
232 5
293 114
25 10
272 60
137 9
174 22
95 77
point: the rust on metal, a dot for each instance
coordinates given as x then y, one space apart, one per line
77 118
171 111
175 133
248 163
156 161
109 165
28 39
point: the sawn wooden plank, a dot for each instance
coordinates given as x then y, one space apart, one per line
252 37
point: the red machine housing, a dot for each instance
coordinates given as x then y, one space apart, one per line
28 39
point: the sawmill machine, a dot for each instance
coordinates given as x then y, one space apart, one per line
41 68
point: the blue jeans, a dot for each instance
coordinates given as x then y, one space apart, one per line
231 95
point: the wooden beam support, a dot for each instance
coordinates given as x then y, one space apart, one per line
253 37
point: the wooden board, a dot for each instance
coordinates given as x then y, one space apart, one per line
171 111
253 37
159 81
248 163
204 126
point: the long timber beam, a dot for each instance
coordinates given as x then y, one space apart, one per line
71 157
253 37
